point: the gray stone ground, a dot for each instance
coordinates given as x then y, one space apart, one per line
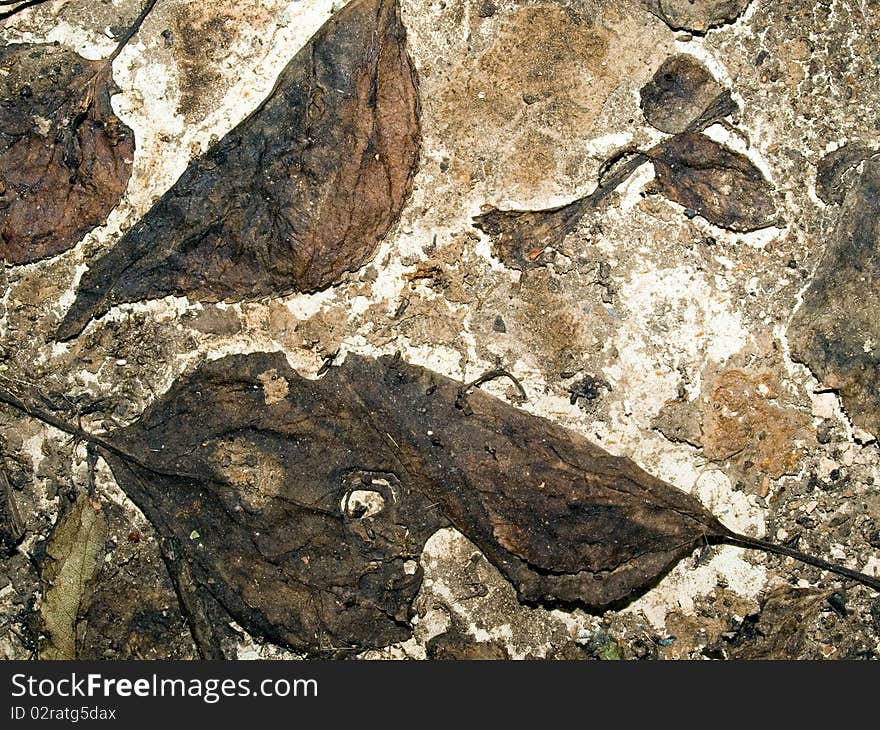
687 324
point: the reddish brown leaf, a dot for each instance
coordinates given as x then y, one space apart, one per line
65 157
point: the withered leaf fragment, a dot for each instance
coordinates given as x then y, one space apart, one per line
695 168
72 562
678 92
297 194
835 169
12 527
780 630
715 182
65 157
302 506
836 331
518 236
696 15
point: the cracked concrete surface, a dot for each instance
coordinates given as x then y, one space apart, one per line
521 106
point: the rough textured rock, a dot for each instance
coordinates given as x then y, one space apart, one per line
65 157
297 194
836 331
638 294
743 421
545 72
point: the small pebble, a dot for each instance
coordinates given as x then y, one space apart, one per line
487 9
838 603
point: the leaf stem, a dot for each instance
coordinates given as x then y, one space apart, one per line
754 543
41 414
132 30
18 8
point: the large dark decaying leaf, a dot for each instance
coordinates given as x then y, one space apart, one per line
561 518
65 157
717 183
298 193
302 506
836 331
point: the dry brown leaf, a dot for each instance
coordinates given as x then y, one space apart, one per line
65 157
71 564
300 192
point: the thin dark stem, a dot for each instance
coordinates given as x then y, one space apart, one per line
24 6
769 547
123 42
41 414
132 30
492 375
15 522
